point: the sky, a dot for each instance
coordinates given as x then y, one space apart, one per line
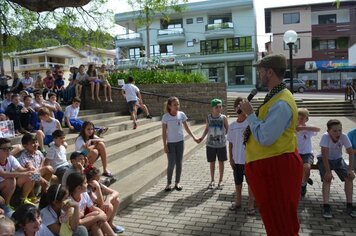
119 6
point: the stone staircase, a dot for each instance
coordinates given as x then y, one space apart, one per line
316 107
135 157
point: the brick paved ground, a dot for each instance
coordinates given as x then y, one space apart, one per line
198 211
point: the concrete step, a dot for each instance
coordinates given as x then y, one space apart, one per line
123 166
120 143
143 177
88 112
100 115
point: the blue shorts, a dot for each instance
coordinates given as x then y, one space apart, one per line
307 158
48 139
338 165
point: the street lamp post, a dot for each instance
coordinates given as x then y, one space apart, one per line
290 37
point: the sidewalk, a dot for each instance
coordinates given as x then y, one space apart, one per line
198 211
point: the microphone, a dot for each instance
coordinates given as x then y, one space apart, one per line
249 98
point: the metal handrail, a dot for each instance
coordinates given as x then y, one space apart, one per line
166 96
350 92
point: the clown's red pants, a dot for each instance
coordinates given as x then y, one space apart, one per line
276 184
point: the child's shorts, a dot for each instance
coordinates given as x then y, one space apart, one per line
239 173
338 165
212 153
307 158
47 139
131 105
61 170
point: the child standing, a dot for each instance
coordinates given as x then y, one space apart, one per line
235 136
304 134
173 140
352 136
93 218
331 158
216 128
57 154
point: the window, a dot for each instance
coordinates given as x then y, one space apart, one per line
154 50
190 44
211 46
324 44
189 21
240 44
173 23
291 18
166 49
200 19
286 47
327 19
135 53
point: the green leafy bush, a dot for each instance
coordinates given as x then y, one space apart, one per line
158 77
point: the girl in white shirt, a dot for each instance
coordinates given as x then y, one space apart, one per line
93 218
173 140
58 214
94 146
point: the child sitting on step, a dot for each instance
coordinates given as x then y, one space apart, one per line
104 197
93 146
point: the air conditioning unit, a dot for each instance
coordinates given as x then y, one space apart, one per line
195 41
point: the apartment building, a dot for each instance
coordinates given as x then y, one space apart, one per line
326 38
216 38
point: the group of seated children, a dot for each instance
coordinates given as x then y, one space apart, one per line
73 199
330 158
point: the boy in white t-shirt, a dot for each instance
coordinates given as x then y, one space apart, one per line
10 169
57 154
304 134
132 95
237 157
331 158
72 120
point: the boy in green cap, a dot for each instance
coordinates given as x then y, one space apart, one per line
216 128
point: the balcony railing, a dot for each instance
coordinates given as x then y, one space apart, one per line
171 31
218 26
128 36
40 65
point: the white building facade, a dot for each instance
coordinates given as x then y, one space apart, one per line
216 38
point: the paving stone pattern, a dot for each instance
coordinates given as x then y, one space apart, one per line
199 211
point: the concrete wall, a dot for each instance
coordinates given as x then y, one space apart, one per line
197 109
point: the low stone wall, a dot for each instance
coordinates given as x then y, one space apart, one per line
194 98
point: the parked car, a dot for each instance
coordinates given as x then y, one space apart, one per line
298 85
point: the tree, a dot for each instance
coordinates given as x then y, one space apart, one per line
21 16
49 5
149 9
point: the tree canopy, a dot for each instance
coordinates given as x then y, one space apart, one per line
48 5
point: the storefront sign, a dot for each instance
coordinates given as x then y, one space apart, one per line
328 65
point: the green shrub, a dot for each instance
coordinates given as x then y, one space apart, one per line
158 77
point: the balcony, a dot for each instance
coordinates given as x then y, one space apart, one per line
336 30
219 30
41 66
330 54
212 56
129 40
170 35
